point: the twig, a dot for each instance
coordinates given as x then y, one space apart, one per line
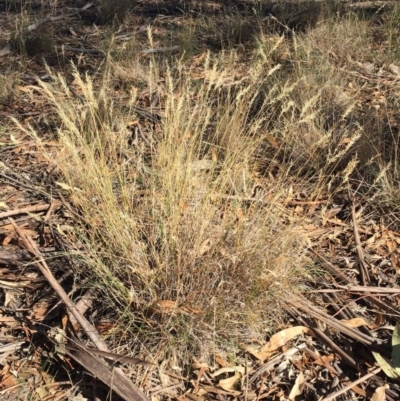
80 50
317 357
295 202
29 209
381 290
138 129
172 49
150 115
334 323
323 337
52 207
109 355
349 386
383 305
82 305
333 269
165 389
27 186
42 265
246 373
363 266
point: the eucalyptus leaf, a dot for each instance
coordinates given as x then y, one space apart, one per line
386 366
396 347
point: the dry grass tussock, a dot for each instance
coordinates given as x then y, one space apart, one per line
195 211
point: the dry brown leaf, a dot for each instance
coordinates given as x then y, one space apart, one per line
324 359
197 60
9 238
354 323
104 327
163 306
205 247
239 214
378 322
395 261
201 392
392 245
298 386
200 365
229 383
8 380
12 298
278 340
222 362
272 141
189 309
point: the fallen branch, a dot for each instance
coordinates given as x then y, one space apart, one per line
381 290
298 304
120 383
108 355
334 270
82 305
29 209
123 385
325 339
44 20
15 182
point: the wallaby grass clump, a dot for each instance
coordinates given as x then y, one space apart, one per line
177 223
194 213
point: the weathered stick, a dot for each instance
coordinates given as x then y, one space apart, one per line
363 265
30 209
44 20
89 329
351 385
